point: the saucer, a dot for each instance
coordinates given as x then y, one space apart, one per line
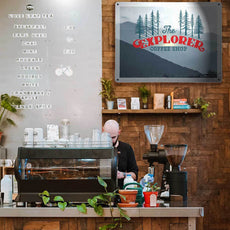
127 205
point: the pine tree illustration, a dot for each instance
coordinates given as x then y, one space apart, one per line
186 23
139 26
152 23
198 27
180 20
146 25
192 25
158 21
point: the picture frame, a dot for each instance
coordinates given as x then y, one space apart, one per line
121 104
168 42
158 101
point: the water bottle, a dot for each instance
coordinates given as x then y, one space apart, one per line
148 179
129 179
6 186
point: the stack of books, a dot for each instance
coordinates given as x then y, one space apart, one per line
181 104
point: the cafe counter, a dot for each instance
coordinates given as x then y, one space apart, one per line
33 218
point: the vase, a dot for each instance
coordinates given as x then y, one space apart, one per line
110 104
145 105
130 196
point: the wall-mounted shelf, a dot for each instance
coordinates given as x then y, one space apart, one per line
151 111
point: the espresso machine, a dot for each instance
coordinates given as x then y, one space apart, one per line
176 178
153 134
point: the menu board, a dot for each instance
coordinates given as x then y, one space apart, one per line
50 57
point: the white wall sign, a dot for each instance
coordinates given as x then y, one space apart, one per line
50 56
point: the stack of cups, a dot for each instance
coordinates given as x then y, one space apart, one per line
28 137
96 138
38 137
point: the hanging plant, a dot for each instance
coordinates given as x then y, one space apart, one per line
200 103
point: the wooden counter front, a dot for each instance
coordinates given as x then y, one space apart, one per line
170 218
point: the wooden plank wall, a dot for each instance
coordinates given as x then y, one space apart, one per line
91 223
208 157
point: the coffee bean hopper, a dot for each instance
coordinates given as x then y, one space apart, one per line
176 178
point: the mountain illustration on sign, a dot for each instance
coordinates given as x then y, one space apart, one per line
139 62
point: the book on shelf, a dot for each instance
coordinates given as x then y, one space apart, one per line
178 103
186 106
180 99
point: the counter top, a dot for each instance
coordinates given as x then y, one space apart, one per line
7 211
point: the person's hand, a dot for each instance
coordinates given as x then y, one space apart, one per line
120 175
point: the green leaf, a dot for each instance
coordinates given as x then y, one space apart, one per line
123 213
101 197
122 196
44 193
45 199
91 202
62 205
99 210
10 121
8 106
58 198
82 208
109 194
101 182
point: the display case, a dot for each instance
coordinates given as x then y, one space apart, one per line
69 172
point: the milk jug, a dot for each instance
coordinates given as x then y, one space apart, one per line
128 179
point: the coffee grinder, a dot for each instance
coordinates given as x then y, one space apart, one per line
177 179
153 134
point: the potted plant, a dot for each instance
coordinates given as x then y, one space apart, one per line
7 104
144 94
96 203
150 195
200 103
107 92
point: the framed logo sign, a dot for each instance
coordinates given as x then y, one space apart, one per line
168 42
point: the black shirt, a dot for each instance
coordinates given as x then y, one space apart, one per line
126 161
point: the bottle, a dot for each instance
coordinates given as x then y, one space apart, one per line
128 179
168 102
148 179
6 187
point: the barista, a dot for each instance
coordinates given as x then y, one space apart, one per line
126 158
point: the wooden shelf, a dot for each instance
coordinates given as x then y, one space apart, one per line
151 111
